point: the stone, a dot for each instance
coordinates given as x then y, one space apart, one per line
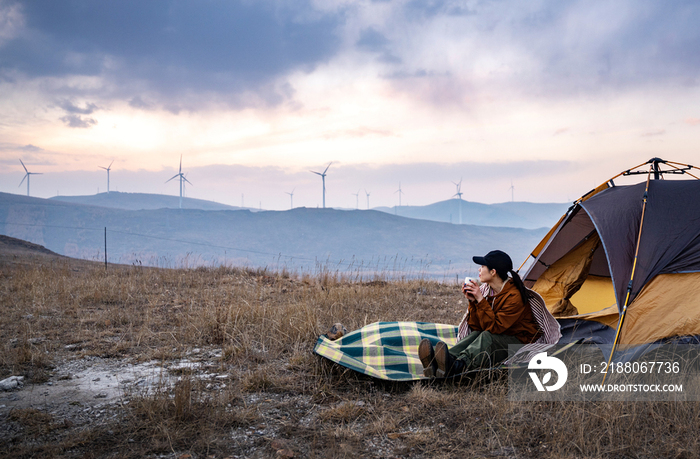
336 331
11 383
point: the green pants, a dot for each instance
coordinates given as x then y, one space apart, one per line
482 349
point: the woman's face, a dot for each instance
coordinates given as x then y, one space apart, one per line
485 276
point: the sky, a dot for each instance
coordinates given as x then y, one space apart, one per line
530 101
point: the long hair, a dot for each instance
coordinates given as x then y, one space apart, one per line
517 281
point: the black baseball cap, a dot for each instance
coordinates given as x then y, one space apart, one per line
495 259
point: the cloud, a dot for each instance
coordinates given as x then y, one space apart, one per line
692 121
439 8
375 42
30 148
372 40
184 55
11 21
71 108
138 102
170 48
546 49
75 121
654 133
593 46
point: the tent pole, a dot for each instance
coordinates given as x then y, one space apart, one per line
634 266
679 169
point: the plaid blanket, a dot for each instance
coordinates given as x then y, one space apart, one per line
386 350
389 350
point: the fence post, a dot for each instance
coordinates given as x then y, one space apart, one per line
105 248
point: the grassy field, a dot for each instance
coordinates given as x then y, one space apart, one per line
277 398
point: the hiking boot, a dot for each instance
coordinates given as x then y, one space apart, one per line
427 358
447 365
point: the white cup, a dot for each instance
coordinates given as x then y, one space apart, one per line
474 280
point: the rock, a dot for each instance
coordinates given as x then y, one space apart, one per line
13 382
336 331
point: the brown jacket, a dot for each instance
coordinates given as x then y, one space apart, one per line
504 314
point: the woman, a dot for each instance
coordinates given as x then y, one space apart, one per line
499 315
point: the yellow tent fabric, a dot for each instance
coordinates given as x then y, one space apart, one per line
668 306
596 293
564 278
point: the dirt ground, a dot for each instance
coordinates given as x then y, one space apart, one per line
82 393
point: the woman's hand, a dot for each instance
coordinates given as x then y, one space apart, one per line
472 292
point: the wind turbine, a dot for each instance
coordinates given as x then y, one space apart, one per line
512 193
291 196
459 195
400 193
357 199
26 176
367 198
182 179
108 168
323 177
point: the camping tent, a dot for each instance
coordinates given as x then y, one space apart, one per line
622 266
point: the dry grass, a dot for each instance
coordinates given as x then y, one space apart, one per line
278 395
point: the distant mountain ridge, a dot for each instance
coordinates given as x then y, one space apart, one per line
527 215
509 214
306 239
144 201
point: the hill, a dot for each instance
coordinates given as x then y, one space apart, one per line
19 252
143 201
307 239
513 214
13 246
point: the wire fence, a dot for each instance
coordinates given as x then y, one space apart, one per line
135 248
